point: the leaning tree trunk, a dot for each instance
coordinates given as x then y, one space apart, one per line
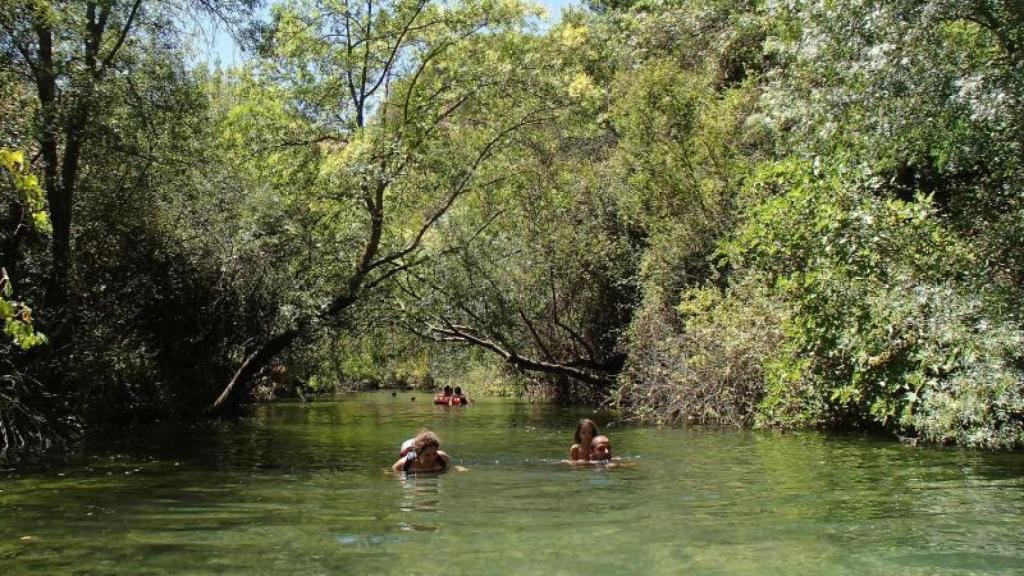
238 388
241 383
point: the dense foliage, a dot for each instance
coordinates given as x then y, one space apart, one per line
870 269
751 212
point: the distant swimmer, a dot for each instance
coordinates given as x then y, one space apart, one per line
600 455
450 397
586 431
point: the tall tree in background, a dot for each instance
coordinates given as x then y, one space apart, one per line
72 52
400 106
100 98
541 272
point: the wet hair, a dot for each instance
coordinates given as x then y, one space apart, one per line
447 390
585 422
425 439
458 389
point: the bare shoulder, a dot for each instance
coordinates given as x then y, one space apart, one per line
448 462
576 452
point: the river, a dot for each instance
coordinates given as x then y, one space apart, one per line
303 489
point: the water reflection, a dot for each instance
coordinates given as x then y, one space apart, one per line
420 495
367 540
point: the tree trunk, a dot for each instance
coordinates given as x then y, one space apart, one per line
56 194
236 390
61 202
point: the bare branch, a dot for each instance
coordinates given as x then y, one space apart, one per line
460 188
366 62
451 332
349 47
26 54
423 64
576 337
536 337
123 35
386 69
391 272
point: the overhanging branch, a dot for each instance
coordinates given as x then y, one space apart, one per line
450 332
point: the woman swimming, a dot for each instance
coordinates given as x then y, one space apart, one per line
425 455
586 430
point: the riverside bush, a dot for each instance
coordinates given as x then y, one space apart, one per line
890 327
713 370
841 309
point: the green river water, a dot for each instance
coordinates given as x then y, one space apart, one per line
303 489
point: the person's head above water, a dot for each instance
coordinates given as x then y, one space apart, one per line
424 454
447 390
600 448
425 440
458 390
588 428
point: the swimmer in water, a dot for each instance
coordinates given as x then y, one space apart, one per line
586 431
600 449
424 455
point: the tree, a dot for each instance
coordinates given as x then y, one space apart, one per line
624 192
72 52
397 104
540 272
103 101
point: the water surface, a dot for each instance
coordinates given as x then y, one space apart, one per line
303 489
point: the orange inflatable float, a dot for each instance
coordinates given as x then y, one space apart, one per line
447 400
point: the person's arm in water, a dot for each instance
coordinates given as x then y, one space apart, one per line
399 466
